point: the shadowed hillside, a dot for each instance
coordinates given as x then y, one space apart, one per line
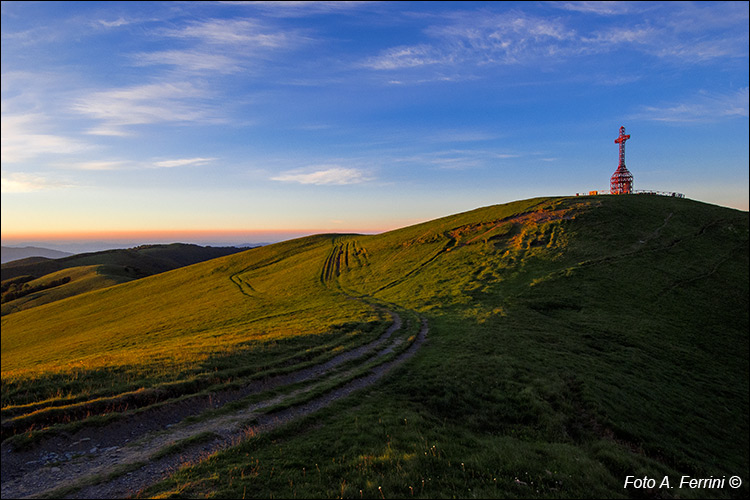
35 281
145 260
15 253
572 342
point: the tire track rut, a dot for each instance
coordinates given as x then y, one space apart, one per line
70 460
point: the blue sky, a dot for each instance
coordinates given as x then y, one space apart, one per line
245 118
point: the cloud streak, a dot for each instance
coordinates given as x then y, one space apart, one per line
333 175
21 139
120 21
504 39
184 162
702 108
28 183
248 33
189 60
144 104
686 34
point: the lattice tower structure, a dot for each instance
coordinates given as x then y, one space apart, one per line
622 180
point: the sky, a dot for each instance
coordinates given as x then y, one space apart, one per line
240 122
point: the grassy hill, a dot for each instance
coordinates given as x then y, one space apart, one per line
59 285
35 281
15 253
573 342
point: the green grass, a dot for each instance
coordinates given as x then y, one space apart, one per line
573 341
113 350
96 270
176 317
82 279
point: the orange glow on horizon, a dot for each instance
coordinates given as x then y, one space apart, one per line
175 235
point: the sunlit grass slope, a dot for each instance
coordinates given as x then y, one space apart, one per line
572 342
169 325
72 281
27 283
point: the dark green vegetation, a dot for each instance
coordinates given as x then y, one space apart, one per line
35 281
573 342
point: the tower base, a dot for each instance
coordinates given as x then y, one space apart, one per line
621 181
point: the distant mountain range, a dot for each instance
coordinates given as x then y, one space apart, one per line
14 253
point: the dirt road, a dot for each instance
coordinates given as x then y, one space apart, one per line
119 459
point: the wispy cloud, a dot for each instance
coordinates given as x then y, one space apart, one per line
122 164
334 175
22 138
478 39
508 38
32 36
299 8
183 162
459 135
27 183
664 44
212 47
620 35
699 51
688 33
457 159
602 8
704 107
409 57
246 32
109 129
189 60
120 21
144 104
95 165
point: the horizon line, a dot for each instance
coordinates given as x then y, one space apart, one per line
176 234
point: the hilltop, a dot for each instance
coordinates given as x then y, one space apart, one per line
34 281
15 253
559 345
